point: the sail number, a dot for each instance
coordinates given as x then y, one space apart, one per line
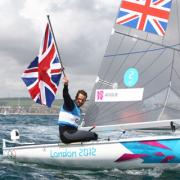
131 77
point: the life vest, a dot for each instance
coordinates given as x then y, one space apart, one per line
71 118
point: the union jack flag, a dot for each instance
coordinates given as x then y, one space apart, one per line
146 15
43 74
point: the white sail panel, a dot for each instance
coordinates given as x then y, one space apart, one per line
156 61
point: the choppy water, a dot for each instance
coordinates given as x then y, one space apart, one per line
44 129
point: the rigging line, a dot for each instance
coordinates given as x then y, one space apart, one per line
137 52
144 85
153 62
165 102
130 52
120 44
105 112
117 49
123 62
146 40
164 48
106 73
150 65
138 38
178 76
106 108
139 60
160 48
175 92
163 70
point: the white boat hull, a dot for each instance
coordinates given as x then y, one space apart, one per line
131 153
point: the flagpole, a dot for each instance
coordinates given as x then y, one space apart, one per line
56 45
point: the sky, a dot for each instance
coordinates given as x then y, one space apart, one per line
82 29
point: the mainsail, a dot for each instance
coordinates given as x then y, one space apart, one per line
139 78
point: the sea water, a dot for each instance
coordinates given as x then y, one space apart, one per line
44 129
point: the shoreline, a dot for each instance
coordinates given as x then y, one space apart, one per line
28 114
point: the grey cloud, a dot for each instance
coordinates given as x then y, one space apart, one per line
82 39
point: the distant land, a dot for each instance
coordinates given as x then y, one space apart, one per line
25 106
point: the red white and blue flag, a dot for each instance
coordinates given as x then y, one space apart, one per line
146 15
43 74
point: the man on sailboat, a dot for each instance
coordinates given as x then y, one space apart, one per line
69 116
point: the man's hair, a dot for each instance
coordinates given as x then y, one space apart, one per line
81 92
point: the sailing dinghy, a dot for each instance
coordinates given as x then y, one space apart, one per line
134 100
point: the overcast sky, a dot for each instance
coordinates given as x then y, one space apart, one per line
81 27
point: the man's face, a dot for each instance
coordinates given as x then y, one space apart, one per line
80 100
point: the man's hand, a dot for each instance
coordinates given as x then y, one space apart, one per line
65 80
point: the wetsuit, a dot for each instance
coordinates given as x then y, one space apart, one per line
69 118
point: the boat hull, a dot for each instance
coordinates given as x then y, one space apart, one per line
132 153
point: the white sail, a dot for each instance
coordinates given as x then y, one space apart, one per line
139 58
